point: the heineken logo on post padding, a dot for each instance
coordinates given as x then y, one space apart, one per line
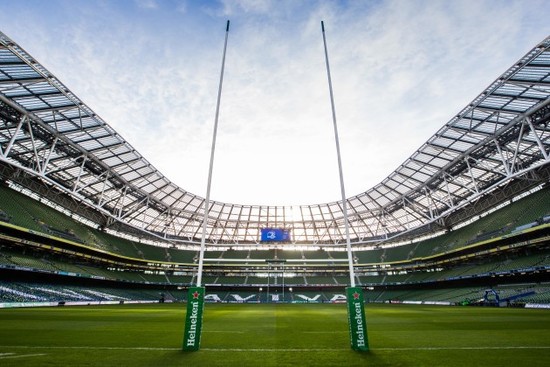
360 331
193 319
191 340
356 319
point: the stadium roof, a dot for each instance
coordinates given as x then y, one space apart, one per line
47 132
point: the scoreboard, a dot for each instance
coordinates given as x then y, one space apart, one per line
275 235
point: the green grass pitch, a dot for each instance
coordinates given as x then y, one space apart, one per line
274 335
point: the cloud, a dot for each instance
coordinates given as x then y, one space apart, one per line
147 4
230 7
182 7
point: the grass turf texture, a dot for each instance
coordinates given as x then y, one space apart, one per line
274 335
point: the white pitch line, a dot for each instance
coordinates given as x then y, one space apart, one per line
13 355
278 349
463 348
275 349
372 349
6 354
89 347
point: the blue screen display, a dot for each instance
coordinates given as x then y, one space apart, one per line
275 235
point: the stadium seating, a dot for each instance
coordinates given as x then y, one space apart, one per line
498 223
21 210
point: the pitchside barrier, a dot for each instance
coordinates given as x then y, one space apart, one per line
69 303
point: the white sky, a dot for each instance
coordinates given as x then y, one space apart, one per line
400 71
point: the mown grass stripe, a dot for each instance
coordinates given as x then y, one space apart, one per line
223 331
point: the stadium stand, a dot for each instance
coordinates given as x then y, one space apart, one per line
455 220
532 209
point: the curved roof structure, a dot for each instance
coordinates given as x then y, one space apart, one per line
49 134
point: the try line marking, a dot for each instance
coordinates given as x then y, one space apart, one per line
10 355
13 355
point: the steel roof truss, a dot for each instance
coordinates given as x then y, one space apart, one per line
7 151
537 138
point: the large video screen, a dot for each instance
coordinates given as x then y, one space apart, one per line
275 235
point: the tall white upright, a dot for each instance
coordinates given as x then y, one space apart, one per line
195 295
354 295
340 170
211 166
